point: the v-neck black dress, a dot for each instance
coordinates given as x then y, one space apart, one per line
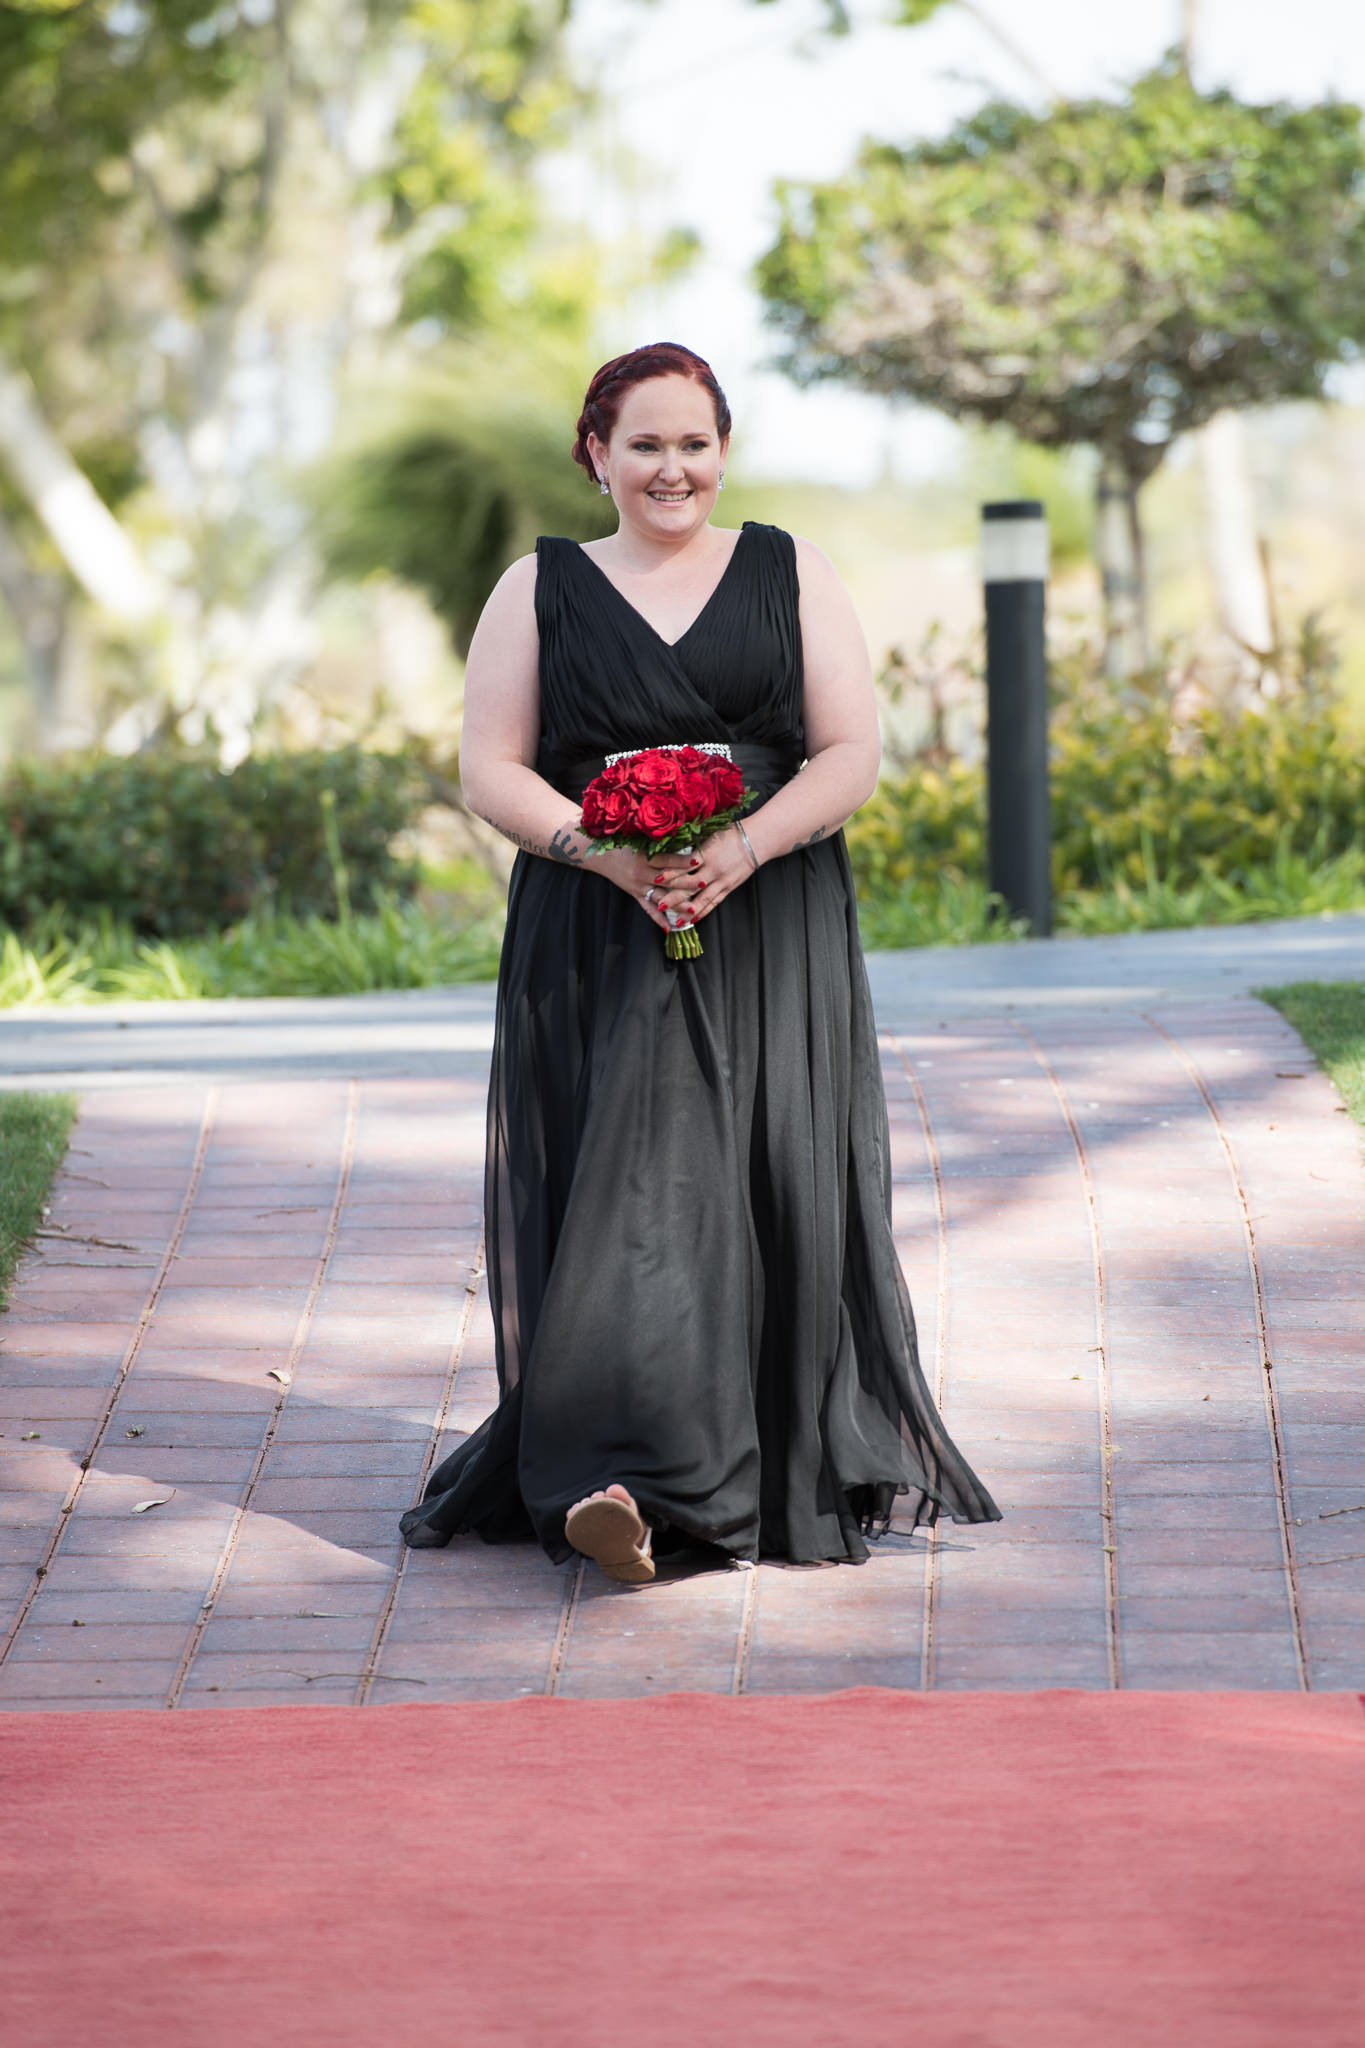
688 1189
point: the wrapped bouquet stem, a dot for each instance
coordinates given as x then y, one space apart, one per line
664 802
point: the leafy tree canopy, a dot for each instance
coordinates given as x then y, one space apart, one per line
165 124
454 479
78 85
1111 272
219 214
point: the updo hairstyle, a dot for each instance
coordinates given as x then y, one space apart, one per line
607 391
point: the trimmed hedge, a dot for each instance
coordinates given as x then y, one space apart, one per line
1137 798
170 843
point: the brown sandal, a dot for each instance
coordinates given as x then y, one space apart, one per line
612 1533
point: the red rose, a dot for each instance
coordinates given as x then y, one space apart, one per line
615 776
697 793
655 770
608 806
727 782
618 810
660 813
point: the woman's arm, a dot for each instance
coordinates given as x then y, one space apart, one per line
843 743
500 738
500 731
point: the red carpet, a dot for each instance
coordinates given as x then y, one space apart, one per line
981 1870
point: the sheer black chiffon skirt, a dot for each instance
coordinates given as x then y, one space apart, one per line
688 1211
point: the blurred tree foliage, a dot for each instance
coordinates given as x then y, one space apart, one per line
1001 465
218 214
456 482
1109 273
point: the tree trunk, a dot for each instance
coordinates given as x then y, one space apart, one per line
93 545
1118 545
1137 548
39 604
1189 23
1235 554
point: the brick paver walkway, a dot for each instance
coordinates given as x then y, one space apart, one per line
1137 1249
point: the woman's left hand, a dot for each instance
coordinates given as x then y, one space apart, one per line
724 864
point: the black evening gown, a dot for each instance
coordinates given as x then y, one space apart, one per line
688 1186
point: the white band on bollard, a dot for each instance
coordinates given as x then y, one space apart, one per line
1014 550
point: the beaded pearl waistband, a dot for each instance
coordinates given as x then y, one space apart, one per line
764 768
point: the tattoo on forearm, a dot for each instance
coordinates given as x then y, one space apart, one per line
817 834
562 848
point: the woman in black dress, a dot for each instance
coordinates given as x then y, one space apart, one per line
703 1331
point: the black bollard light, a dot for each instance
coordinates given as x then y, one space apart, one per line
1014 568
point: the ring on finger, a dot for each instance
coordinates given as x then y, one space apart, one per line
650 893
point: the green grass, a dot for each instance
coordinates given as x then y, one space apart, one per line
1329 1017
958 910
397 945
454 931
33 1134
1288 886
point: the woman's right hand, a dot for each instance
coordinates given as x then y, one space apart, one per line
635 872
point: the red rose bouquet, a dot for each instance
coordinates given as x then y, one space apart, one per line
662 801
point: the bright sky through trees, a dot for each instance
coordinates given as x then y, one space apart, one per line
717 98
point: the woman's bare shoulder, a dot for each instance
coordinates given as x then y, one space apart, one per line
814 568
514 593
507 627
519 576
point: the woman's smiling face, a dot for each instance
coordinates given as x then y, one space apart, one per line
665 458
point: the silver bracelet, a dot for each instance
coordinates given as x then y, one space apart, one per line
747 847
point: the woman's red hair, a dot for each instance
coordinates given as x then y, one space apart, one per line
607 391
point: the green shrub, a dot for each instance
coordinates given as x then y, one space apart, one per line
1139 802
375 796
916 826
1135 798
169 843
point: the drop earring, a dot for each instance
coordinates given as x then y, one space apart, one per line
721 485
604 487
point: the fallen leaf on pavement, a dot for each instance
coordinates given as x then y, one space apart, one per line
160 1500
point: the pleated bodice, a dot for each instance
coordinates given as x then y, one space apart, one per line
608 681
